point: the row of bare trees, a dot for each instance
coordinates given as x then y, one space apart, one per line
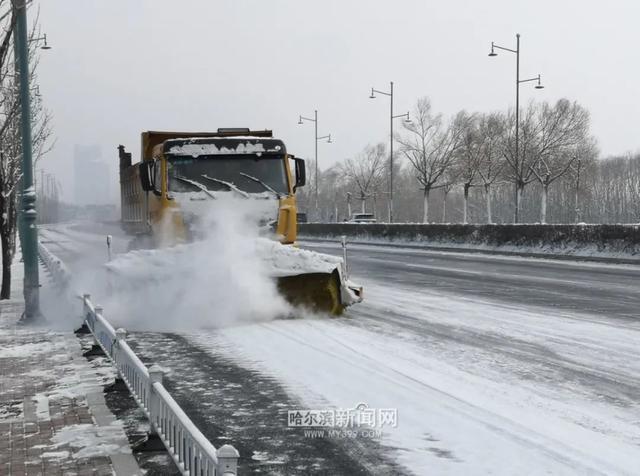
10 147
473 156
479 150
593 191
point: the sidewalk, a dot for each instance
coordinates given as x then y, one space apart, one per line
53 416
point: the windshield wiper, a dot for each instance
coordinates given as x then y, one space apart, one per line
229 185
197 185
257 180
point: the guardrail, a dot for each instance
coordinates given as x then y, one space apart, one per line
192 453
56 267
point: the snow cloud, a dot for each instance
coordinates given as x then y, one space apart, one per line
219 280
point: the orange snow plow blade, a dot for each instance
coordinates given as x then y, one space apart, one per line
318 292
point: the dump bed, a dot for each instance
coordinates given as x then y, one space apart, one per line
133 200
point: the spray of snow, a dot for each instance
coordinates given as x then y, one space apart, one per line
219 280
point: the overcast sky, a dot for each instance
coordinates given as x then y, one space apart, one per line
119 67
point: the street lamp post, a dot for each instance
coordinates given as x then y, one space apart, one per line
328 137
391 118
28 212
518 81
577 203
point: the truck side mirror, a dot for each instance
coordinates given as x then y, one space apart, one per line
147 171
145 176
301 174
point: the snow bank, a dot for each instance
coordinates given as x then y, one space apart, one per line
609 241
88 440
29 348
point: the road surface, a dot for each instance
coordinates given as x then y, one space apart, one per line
491 364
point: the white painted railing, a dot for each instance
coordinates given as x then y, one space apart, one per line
189 448
56 267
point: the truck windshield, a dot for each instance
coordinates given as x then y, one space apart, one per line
215 172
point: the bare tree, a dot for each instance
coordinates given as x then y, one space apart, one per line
490 168
585 162
366 171
448 183
521 163
333 189
469 157
10 138
430 147
561 130
9 167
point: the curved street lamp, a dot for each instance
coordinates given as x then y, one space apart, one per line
493 53
328 137
391 118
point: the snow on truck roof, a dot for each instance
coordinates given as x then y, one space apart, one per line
196 147
154 140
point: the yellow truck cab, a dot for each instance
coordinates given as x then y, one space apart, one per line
244 162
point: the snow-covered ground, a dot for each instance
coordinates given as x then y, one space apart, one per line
478 388
496 365
54 393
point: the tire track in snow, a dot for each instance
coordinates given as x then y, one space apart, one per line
233 404
604 382
553 448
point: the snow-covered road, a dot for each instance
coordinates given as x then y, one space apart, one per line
479 388
495 366
605 290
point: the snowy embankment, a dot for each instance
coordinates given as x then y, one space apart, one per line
620 242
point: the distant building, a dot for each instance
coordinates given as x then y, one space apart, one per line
91 176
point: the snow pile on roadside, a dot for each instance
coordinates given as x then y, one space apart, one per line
63 374
583 240
568 250
75 379
20 350
88 440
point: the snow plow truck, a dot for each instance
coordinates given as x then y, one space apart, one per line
178 170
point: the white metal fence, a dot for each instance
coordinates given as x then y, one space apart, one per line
191 451
55 266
